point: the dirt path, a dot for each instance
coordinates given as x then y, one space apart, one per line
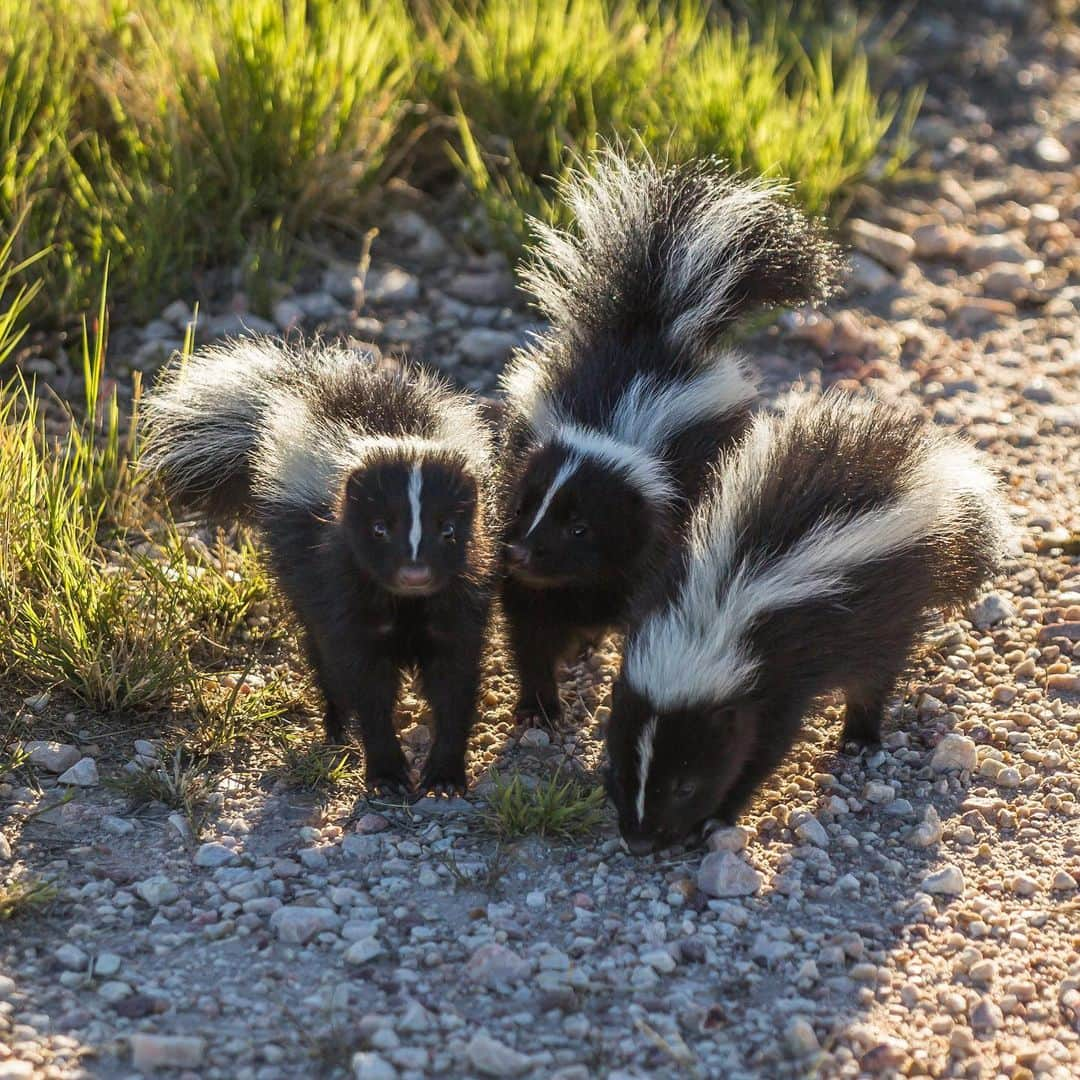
915 911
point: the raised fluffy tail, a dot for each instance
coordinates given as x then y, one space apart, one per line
206 415
683 250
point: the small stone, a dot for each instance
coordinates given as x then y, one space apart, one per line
986 1015
118 826
16 1070
107 964
659 960
928 832
391 285
536 901
1008 280
114 990
296 924
1008 778
1063 882
83 773
723 874
982 972
492 964
1023 885
1052 151
5 849
813 832
363 951
939 241
892 249
416 1019
313 858
535 736
866 275
955 752
179 314
948 881
483 346
71 957
54 757
489 288
990 610
880 794
157 890
288 315
166 1051
213 855
732 838
490 1057
800 1038
367 1065
372 823
996 247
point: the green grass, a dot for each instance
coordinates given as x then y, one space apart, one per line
188 134
181 783
556 807
25 896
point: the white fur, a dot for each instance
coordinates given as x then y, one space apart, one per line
696 649
566 470
416 483
645 746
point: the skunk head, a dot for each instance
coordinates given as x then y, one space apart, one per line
668 772
409 519
575 520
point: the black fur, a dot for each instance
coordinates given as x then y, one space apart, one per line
335 514
830 460
619 308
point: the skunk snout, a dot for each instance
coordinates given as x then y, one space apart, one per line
639 845
414 576
518 555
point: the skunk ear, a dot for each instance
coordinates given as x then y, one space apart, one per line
354 486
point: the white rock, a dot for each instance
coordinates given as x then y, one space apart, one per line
948 881
484 346
536 901
114 990
5 849
296 924
813 832
313 858
367 1065
723 874
893 249
16 1070
876 792
492 964
54 757
493 1058
7 987
107 964
118 826
728 838
82 774
1052 151
955 752
991 609
416 1019
659 960
71 957
800 1037
363 951
166 1051
157 890
867 275
178 313
391 285
928 832
213 855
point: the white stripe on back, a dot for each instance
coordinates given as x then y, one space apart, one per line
416 483
645 743
568 468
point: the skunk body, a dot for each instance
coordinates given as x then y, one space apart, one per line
368 482
616 413
827 539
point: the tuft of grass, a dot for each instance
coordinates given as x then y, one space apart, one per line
223 716
556 807
25 896
181 783
315 765
488 877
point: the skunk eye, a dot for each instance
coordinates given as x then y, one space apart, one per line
448 532
686 790
579 530
380 530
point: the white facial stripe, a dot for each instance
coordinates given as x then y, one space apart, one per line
645 754
567 470
416 482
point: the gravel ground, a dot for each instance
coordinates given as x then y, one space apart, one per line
910 912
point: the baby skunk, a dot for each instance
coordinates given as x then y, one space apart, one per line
614 415
829 536
367 482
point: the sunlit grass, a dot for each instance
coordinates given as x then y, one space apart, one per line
557 806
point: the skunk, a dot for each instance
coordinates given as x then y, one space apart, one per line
369 484
825 542
615 413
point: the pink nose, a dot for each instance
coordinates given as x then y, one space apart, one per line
517 555
414 576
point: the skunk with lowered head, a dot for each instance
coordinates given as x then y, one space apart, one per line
368 482
828 538
614 415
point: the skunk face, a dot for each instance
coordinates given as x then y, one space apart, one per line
574 522
409 523
669 772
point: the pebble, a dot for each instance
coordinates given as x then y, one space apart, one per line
878 793
991 609
986 1015
392 286
71 957
83 773
800 1037
166 1051
813 832
1023 885
488 347
114 990
1063 882
493 964
490 287
723 874
367 1065
157 890
489 1057
948 881
298 924
5 849
54 757
955 752
997 247
363 951
891 248
730 838
1052 151
213 855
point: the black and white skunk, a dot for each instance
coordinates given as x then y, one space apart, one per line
368 483
829 536
615 414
